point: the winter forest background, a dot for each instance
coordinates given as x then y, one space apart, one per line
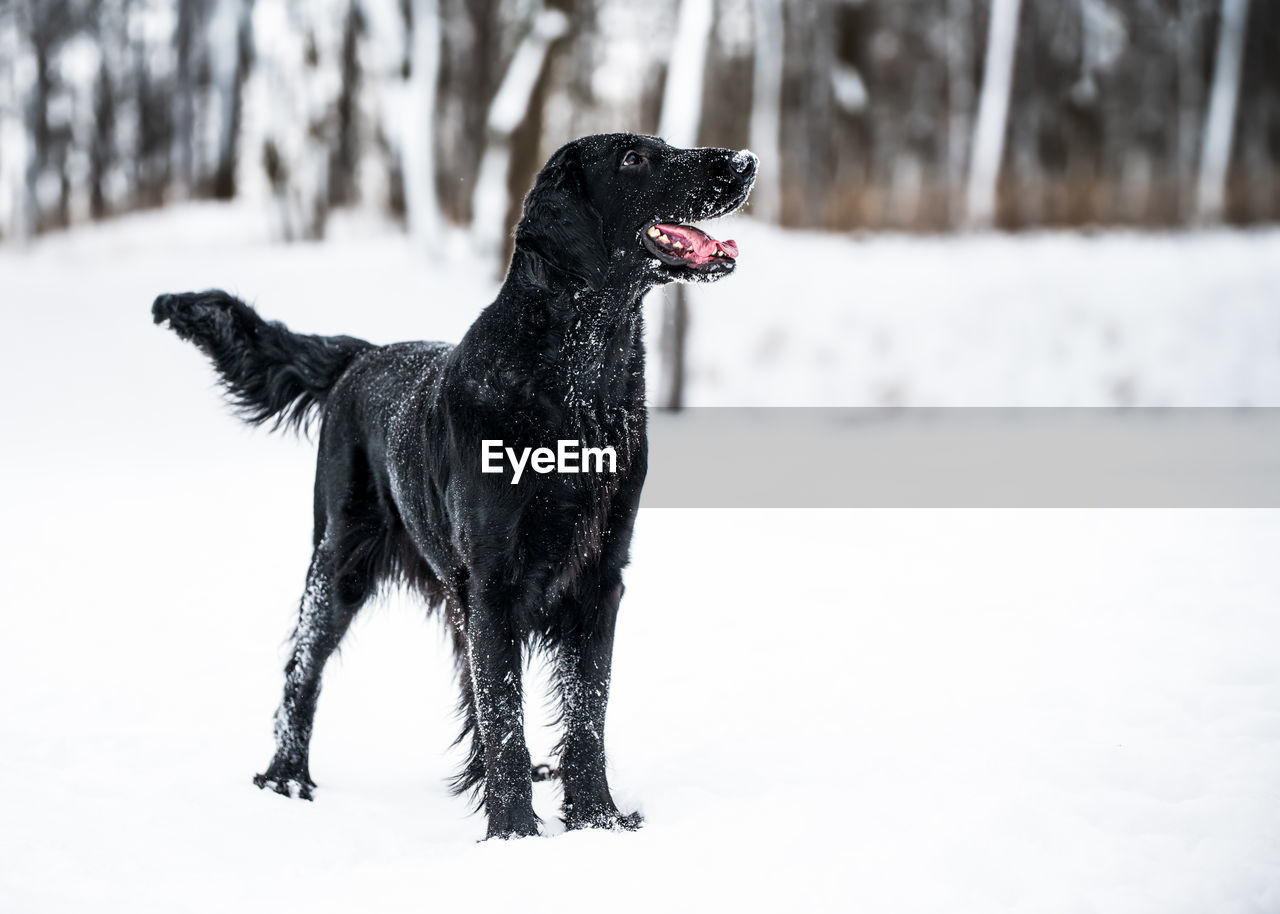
962 203
869 114
890 133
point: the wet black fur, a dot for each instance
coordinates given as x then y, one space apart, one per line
399 495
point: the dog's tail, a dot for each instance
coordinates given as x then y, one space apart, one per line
271 373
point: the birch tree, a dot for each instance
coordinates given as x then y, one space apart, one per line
1191 95
1220 122
505 113
993 114
230 70
678 125
17 71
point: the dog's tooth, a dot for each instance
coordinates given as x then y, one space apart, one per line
677 245
662 236
653 232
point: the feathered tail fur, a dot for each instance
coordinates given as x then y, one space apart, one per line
270 373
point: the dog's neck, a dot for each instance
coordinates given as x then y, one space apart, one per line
580 345
598 347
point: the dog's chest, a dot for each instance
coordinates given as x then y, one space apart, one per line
569 519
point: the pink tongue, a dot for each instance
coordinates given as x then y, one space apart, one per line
701 247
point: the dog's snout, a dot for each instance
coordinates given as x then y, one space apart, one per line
743 161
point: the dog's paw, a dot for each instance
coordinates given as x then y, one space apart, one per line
514 825
611 819
287 787
511 835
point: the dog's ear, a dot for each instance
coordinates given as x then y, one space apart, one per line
560 226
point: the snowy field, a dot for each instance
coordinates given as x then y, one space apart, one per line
886 711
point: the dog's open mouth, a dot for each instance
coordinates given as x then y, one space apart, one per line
686 246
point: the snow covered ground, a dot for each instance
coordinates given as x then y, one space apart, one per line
933 711
1115 319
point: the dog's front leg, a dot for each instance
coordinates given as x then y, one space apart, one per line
582 674
493 657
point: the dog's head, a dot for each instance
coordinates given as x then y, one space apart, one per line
617 207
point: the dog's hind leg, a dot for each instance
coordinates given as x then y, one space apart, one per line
469 780
328 606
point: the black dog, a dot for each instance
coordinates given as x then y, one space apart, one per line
400 494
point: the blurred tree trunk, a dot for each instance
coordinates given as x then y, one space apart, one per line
681 115
17 201
1190 58
727 87
525 143
187 35
960 67
993 109
1220 122
509 106
46 177
673 342
808 111
418 159
917 171
1253 189
766 104
231 101
476 46
344 155
102 148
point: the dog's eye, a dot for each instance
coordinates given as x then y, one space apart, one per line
631 159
